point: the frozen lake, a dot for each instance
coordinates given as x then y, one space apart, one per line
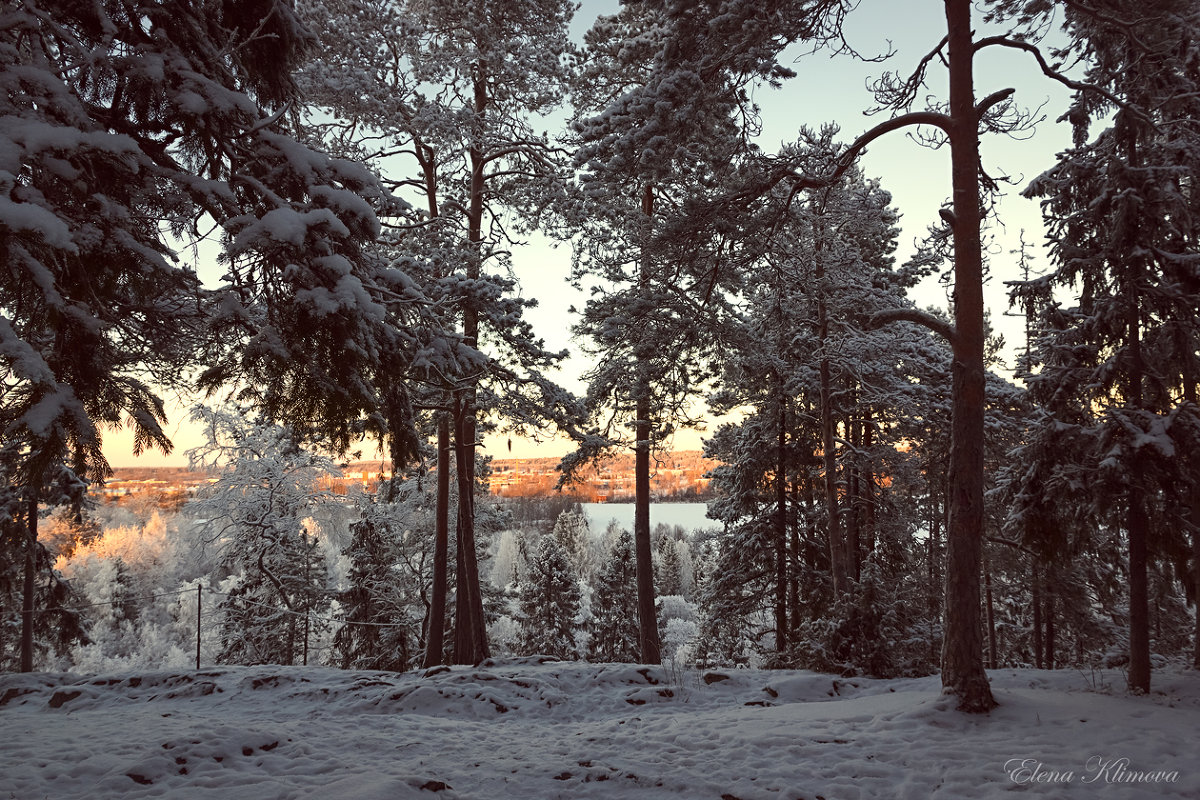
689 516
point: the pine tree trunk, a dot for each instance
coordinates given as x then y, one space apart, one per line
27 593
794 561
435 637
1048 620
812 552
781 570
853 498
993 661
647 616
933 583
837 545
1196 579
1036 591
793 576
435 640
651 649
868 486
1139 605
1193 512
962 648
470 631
1138 531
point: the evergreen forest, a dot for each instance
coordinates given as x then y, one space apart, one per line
312 214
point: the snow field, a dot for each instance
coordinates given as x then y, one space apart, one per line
526 730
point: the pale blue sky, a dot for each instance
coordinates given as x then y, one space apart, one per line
834 89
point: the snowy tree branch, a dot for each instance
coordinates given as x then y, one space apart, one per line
267 122
846 160
274 581
843 163
1125 26
915 316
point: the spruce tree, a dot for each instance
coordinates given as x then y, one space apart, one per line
549 603
668 566
571 530
376 632
614 606
1117 387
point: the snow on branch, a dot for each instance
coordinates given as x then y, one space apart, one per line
1125 26
848 157
916 316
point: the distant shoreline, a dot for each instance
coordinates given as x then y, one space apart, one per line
676 476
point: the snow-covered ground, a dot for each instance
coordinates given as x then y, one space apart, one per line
530 731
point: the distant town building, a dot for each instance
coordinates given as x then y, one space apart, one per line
676 474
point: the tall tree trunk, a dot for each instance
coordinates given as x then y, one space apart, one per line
868 487
435 640
1139 604
853 498
812 549
1193 512
962 647
1036 590
435 637
933 583
794 562
1049 612
1138 531
647 616
993 660
27 593
470 632
651 649
837 543
781 570
1196 578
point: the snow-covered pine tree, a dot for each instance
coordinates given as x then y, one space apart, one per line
614 627
376 632
549 603
1117 386
135 130
668 566
440 97
575 536
37 623
651 318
